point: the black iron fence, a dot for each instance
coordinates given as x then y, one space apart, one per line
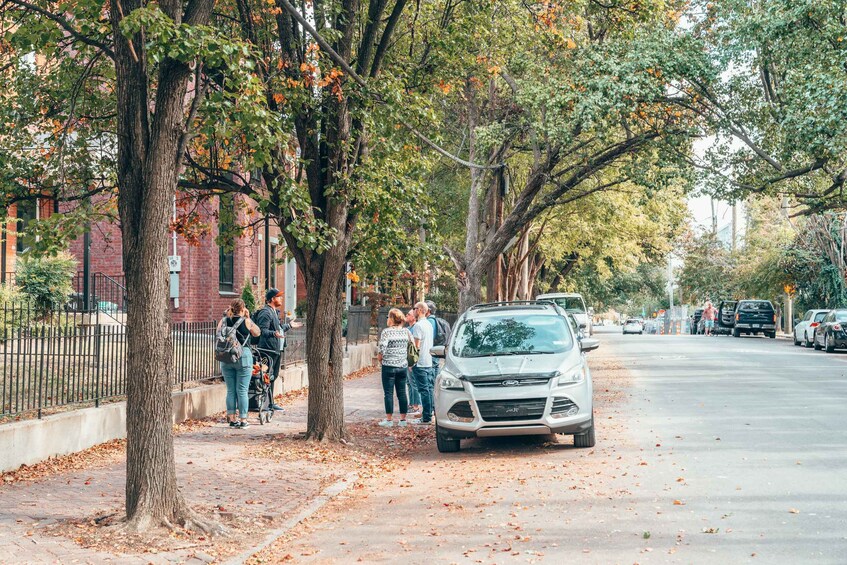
363 323
48 361
295 346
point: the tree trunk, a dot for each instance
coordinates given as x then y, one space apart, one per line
470 289
147 165
324 352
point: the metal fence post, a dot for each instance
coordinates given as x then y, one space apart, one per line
41 374
98 352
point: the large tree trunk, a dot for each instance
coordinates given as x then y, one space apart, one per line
148 159
470 288
325 354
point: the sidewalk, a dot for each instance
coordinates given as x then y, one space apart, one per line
250 480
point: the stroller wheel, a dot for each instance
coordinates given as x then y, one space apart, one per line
261 418
269 415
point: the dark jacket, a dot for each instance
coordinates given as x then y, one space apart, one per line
267 319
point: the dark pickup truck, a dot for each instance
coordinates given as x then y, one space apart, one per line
725 318
754 316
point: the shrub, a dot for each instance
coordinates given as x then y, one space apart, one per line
46 281
248 297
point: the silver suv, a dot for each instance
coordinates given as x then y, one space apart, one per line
514 368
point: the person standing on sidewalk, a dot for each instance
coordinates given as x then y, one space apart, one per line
273 332
237 375
414 395
422 371
393 348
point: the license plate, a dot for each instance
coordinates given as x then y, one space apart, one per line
757 325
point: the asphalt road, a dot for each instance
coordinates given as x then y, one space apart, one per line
713 450
758 430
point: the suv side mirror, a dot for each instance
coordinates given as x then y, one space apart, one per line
438 351
583 325
588 344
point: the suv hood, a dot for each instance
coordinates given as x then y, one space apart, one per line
474 368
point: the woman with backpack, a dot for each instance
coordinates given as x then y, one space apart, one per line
238 368
393 354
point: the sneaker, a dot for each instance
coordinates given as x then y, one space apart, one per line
243 424
386 423
402 424
420 422
233 424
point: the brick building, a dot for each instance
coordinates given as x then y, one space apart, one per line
205 277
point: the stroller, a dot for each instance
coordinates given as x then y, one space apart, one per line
259 393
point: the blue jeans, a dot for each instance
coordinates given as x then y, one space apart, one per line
414 395
237 379
394 378
424 377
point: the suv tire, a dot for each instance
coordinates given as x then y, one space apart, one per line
736 333
772 335
586 438
445 443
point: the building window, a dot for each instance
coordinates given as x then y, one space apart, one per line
226 245
27 213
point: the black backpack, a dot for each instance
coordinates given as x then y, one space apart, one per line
442 333
227 347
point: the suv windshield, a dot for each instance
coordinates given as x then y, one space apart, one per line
512 335
569 303
755 306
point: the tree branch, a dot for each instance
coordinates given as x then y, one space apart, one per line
66 25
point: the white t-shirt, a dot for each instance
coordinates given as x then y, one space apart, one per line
422 330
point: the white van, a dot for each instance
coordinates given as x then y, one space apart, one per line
573 303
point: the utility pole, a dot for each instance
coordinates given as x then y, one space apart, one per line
734 226
668 323
714 218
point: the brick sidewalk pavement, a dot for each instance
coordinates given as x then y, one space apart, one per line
218 468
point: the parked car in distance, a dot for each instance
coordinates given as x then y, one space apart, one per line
573 303
577 331
754 316
513 369
725 317
633 326
804 330
831 334
695 321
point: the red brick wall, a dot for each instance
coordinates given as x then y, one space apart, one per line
199 296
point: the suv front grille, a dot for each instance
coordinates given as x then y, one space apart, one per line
507 410
511 381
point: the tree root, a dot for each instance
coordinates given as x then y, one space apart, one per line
183 519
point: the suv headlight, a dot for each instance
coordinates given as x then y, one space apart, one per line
448 381
569 378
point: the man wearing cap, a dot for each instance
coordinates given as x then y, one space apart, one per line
270 340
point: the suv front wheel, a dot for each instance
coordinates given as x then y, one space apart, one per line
586 438
445 443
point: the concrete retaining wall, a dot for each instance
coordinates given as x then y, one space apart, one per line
31 441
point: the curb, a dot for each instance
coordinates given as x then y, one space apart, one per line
311 508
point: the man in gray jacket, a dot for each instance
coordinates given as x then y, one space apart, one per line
273 332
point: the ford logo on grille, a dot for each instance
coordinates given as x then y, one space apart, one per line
511 382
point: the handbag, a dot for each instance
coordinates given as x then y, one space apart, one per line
412 353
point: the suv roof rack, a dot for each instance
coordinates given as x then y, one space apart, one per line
513 303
